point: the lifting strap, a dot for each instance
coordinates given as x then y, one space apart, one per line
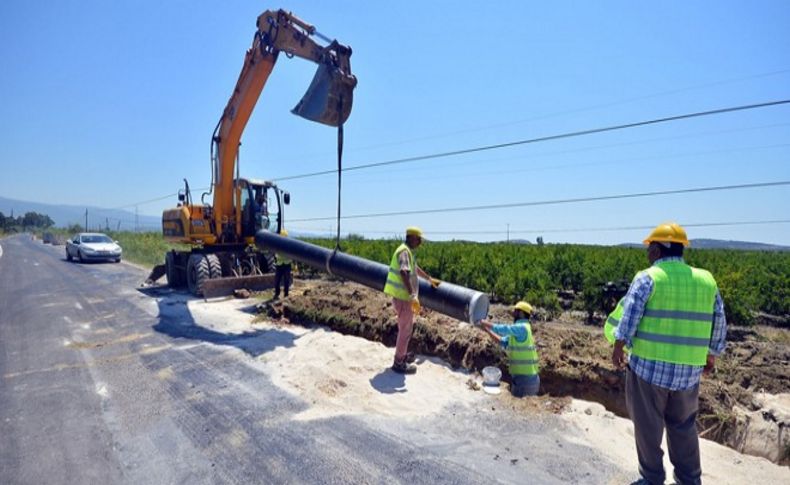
339 185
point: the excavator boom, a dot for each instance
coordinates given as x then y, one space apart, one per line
328 100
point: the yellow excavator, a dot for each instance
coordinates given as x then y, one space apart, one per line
223 255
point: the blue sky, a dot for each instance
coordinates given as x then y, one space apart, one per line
111 104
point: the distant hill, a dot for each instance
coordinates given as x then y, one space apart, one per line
725 244
749 246
65 215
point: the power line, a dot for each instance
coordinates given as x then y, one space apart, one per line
555 201
588 229
563 166
614 145
573 134
578 110
515 143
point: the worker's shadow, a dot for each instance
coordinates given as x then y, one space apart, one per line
176 321
389 382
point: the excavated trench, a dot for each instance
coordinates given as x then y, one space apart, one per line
575 359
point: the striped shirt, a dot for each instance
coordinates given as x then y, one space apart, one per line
675 377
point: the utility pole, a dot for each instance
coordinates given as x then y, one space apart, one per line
107 224
135 219
86 219
508 232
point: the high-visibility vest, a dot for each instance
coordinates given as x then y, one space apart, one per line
523 356
394 286
283 260
678 319
612 321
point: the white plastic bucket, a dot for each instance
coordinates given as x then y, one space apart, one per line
491 376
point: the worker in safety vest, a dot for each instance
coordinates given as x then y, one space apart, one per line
282 271
612 321
519 343
673 321
403 286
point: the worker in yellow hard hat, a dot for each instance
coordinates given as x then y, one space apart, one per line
519 343
282 271
673 322
403 286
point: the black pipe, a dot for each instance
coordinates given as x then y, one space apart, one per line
452 300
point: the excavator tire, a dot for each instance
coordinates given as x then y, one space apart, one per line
267 262
214 266
175 277
198 272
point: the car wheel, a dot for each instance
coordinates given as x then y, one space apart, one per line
79 256
117 260
68 256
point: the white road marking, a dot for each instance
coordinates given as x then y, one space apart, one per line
86 326
77 304
1 251
66 343
101 390
35 263
68 320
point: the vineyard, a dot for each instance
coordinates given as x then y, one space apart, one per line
755 285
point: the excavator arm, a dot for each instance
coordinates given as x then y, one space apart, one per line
328 100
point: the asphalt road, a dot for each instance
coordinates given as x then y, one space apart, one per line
102 383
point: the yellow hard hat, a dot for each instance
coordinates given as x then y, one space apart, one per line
524 307
284 232
669 232
414 231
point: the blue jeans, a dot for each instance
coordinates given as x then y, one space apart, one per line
525 386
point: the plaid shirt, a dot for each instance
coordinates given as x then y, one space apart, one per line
675 377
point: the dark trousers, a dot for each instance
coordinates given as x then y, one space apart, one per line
654 408
282 274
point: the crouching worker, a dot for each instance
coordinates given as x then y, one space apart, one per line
519 343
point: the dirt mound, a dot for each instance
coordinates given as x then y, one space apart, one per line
575 359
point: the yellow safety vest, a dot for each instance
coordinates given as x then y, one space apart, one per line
394 286
523 356
612 321
678 319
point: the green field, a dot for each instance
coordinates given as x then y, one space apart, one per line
749 281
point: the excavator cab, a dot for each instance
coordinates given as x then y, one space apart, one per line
262 204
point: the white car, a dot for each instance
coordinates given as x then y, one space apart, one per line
92 246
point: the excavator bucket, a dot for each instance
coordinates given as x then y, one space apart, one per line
329 98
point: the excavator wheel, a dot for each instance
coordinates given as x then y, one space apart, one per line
267 262
198 272
214 266
175 277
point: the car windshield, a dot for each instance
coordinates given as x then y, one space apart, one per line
96 238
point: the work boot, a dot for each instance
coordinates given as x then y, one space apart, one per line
410 357
402 367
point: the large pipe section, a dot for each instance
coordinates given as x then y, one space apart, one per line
452 300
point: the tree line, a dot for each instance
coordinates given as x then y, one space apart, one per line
30 220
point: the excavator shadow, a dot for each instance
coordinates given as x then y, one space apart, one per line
177 321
